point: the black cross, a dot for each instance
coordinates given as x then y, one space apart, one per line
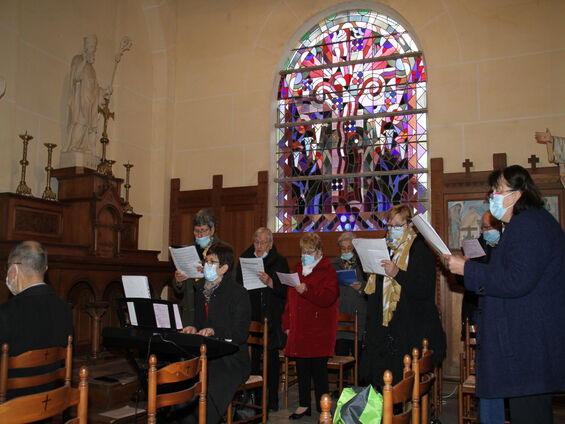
469 231
467 165
45 402
533 160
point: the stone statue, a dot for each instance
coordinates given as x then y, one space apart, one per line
85 97
555 150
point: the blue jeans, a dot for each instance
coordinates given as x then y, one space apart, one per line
491 411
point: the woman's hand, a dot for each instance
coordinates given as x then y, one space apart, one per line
455 263
207 332
301 288
356 285
189 330
265 279
390 267
180 277
200 267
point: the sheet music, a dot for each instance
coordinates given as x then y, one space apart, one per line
135 286
430 234
178 320
250 267
346 277
291 280
472 248
372 252
162 315
186 260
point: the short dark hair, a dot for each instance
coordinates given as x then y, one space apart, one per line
518 179
224 252
31 256
204 217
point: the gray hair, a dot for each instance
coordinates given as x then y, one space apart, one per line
204 217
263 230
347 236
31 256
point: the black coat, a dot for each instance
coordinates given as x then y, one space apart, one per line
34 319
416 317
186 289
229 314
269 302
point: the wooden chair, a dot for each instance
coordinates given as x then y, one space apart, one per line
288 378
401 392
424 378
347 323
467 410
175 373
326 406
47 403
258 336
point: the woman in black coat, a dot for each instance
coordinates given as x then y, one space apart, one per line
409 313
222 310
268 302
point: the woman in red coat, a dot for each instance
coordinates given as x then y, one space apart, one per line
310 321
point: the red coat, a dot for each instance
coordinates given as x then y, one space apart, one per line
311 317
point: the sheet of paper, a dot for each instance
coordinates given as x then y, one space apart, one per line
372 252
472 248
162 315
186 260
178 320
123 412
430 234
291 280
136 286
250 267
131 313
346 277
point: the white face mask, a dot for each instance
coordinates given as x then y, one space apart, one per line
12 285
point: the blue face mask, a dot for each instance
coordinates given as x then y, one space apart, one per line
210 273
308 260
495 205
347 256
491 236
263 256
203 241
395 233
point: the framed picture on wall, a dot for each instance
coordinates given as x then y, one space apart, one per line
551 203
464 220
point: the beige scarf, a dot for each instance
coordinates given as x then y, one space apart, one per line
391 289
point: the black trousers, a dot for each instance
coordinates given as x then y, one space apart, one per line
308 368
531 409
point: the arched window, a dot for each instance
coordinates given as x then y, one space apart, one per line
351 125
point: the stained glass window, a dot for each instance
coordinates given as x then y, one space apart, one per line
351 125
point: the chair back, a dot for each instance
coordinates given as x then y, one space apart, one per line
41 404
176 373
347 323
401 392
424 379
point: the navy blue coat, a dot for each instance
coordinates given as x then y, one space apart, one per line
521 315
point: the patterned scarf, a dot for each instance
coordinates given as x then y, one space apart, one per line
209 288
391 289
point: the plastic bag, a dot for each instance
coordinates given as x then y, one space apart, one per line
359 405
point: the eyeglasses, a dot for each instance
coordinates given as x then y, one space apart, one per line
309 252
201 231
261 242
491 195
211 262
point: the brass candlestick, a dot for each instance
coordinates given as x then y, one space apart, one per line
104 167
127 207
22 186
48 194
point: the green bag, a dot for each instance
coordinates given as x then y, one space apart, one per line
359 405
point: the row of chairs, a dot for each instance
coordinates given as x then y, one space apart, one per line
412 391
